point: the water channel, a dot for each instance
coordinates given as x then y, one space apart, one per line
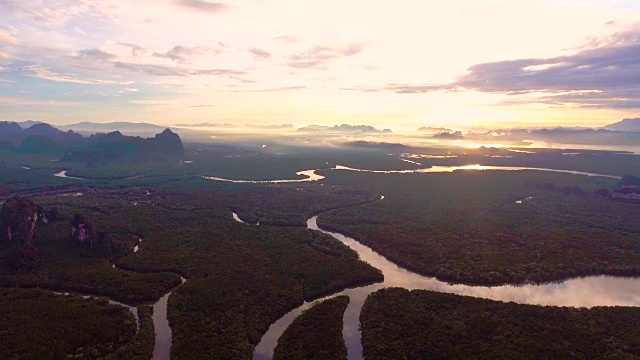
579 292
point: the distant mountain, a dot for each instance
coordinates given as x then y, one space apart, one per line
249 126
345 128
125 127
39 138
9 130
625 125
116 147
42 138
315 128
570 136
434 130
457 135
6 146
207 124
274 127
28 123
40 145
379 145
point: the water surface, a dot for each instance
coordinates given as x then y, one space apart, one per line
310 175
63 174
446 169
579 292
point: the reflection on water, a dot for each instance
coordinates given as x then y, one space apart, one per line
162 347
445 169
525 199
633 149
410 161
310 176
70 194
237 218
63 174
579 292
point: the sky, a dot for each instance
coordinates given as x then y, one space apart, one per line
399 64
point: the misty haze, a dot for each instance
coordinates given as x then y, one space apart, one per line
277 179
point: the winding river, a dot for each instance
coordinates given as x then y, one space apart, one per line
446 169
163 337
578 292
311 175
162 346
581 292
63 174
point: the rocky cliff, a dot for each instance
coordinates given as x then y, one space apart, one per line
82 230
18 218
115 147
100 148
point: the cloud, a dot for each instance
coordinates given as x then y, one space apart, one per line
7 37
353 49
360 88
319 56
134 58
416 89
603 75
285 38
5 58
201 5
183 54
161 70
136 50
273 89
18 101
241 80
260 54
93 54
55 13
40 72
403 88
148 102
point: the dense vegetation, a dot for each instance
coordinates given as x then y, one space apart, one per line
141 346
463 226
63 264
492 227
40 325
419 324
244 278
241 278
315 334
251 161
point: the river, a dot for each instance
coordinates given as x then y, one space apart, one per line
587 292
578 292
311 175
63 174
446 169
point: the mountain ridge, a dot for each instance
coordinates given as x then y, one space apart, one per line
43 138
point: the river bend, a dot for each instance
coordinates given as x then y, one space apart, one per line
579 292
